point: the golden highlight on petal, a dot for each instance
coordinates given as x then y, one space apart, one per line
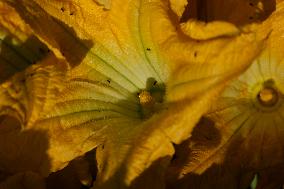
203 31
178 6
11 22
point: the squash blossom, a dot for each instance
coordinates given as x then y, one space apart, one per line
124 77
251 109
239 141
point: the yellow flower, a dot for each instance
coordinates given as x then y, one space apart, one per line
251 106
241 135
124 78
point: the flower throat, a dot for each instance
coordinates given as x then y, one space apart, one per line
151 98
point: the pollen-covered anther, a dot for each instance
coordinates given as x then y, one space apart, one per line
268 96
146 98
147 102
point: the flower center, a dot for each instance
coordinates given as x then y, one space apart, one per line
151 98
268 96
146 99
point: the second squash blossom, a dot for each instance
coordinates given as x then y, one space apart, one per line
259 91
251 108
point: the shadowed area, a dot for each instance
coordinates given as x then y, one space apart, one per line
237 12
241 159
70 176
153 176
16 56
56 33
21 151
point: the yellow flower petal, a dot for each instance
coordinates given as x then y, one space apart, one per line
178 6
12 23
204 31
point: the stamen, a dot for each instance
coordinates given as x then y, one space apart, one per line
151 98
146 99
268 96
147 103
